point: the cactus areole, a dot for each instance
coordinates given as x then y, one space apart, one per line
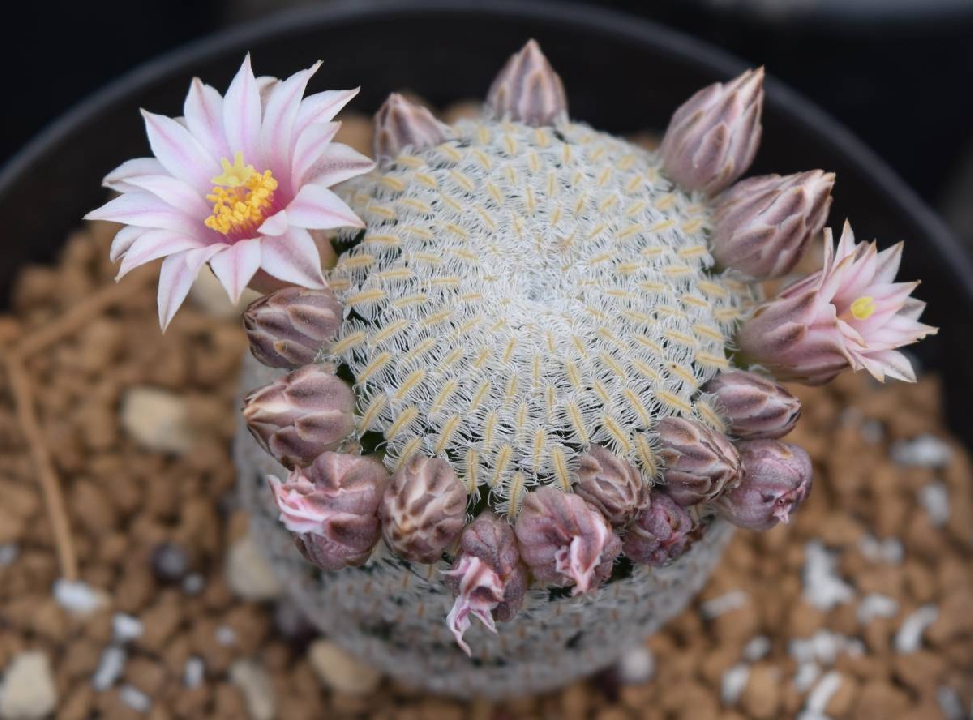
540 371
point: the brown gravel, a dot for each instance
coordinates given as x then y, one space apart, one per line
152 529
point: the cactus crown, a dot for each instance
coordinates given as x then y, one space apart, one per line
522 293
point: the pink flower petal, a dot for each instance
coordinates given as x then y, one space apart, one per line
322 107
280 113
276 224
174 192
145 210
176 277
317 208
309 147
241 115
236 264
179 152
888 363
120 178
337 164
888 263
203 110
124 239
153 245
293 258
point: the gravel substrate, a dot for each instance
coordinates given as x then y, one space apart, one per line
860 608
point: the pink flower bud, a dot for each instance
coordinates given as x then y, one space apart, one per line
700 464
288 328
488 577
713 136
776 479
660 532
528 90
762 225
754 406
850 313
401 123
301 415
609 483
423 509
565 541
332 507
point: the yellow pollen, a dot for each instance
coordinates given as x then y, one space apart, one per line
863 308
240 197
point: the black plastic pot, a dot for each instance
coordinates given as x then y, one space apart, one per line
623 75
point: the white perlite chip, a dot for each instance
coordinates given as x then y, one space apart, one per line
807 673
876 605
756 649
823 647
889 550
909 637
135 698
125 628
193 584
636 666
734 681
820 695
225 635
923 451
77 597
950 703
822 587
723 604
28 691
935 499
193 673
8 553
110 667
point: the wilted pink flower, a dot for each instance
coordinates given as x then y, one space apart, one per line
401 123
776 479
762 225
753 406
609 483
239 182
528 90
713 136
332 506
851 314
564 540
488 577
700 464
289 327
660 532
301 415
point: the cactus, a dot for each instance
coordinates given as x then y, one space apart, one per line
543 332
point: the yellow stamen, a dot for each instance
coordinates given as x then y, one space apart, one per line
240 197
863 308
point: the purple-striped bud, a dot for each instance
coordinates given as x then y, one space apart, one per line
700 464
528 90
301 415
565 541
660 532
288 328
776 479
609 483
488 577
762 225
332 507
753 406
423 509
400 123
713 136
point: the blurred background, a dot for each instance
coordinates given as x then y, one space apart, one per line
898 73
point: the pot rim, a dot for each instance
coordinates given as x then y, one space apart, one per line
804 114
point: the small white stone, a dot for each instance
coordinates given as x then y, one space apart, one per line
756 649
157 419
135 698
876 605
125 628
193 584
78 598
909 637
257 689
225 635
8 553
734 681
889 550
822 587
820 695
110 667
636 666
194 672
725 603
248 573
339 671
807 673
950 703
935 499
28 690
923 451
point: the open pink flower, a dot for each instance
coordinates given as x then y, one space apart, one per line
240 182
850 313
